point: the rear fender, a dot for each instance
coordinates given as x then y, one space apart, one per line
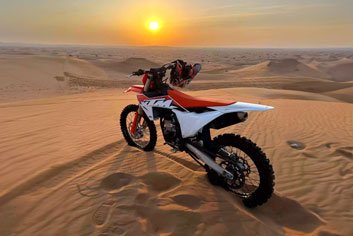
191 123
241 106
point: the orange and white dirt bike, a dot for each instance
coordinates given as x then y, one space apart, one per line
231 161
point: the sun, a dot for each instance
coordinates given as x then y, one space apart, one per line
153 25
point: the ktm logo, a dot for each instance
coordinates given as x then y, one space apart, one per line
157 102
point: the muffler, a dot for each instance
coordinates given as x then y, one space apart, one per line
209 161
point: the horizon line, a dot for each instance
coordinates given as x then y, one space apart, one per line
23 44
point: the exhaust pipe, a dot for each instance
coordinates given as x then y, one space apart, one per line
209 161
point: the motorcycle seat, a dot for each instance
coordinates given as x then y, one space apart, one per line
188 101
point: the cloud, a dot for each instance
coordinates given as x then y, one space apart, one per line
238 15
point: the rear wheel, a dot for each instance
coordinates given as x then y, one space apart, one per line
253 174
145 136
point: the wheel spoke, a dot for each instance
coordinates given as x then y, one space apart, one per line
246 185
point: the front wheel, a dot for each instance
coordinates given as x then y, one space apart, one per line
144 135
253 174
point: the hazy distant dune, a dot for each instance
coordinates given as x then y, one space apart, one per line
57 71
345 94
341 72
84 68
33 76
126 66
286 67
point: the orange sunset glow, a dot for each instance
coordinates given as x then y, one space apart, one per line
183 23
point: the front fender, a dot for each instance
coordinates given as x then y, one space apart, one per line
135 88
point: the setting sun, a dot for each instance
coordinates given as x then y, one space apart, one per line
154 25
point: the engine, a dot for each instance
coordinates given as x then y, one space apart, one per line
171 131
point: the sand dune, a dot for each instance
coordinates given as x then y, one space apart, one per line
84 68
36 76
66 170
264 93
339 70
345 94
126 66
342 72
98 185
280 67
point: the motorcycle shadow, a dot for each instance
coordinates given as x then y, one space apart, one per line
187 162
279 211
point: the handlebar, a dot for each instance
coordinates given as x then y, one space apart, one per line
154 71
139 72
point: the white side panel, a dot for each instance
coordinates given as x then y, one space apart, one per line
241 106
191 122
148 105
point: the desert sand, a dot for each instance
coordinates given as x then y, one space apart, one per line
66 170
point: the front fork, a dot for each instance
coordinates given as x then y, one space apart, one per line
136 121
139 112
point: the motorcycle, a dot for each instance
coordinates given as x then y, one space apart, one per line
231 161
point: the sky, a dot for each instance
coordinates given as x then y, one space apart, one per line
195 23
